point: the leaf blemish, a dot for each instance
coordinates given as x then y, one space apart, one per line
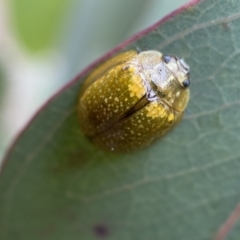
101 230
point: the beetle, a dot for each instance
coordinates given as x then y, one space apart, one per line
133 99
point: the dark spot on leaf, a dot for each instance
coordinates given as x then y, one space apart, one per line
101 230
225 26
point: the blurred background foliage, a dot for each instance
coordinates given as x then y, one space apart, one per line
45 43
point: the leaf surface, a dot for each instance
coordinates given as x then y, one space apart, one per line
56 185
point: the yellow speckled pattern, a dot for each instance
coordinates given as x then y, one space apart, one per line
153 110
138 130
135 87
99 71
133 99
106 100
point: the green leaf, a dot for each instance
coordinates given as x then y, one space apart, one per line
37 22
56 185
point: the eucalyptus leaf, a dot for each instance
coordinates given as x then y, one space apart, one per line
37 22
55 185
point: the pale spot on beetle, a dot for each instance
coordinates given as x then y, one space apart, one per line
154 111
116 99
136 89
170 117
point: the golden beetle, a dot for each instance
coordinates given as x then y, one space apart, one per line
132 99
